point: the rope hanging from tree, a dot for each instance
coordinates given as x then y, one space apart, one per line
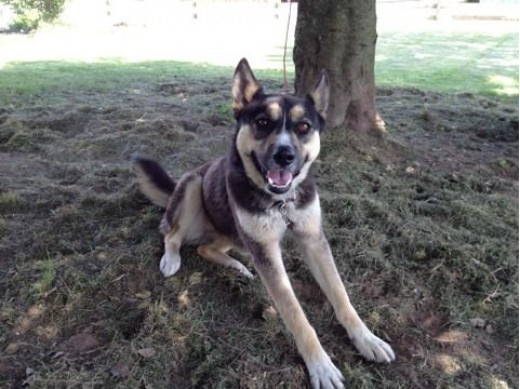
285 83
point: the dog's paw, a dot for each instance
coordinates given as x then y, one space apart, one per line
372 347
237 265
170 264
245 272
323 374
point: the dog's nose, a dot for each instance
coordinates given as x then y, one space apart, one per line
284 155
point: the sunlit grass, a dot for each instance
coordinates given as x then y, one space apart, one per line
504 85
439 62
47 276
449 62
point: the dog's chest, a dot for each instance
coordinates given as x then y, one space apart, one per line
271 224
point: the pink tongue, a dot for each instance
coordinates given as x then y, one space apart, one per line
280 178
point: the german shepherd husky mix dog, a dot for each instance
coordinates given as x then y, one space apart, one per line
250 198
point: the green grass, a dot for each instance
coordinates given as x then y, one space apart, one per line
438 62
8 202
35 77
47 276
449 62
20 79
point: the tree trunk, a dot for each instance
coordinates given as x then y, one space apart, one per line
340 37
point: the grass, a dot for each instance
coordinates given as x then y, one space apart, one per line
437 62
47 277
8 201
449 62
32 78
423 224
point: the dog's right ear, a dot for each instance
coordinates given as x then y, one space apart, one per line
320 94
245 86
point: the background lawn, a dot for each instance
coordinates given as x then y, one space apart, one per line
423 221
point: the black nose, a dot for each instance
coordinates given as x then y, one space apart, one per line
284 155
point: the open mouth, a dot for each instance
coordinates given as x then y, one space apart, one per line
279 181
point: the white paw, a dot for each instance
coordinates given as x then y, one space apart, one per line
371 347
323 374
170 264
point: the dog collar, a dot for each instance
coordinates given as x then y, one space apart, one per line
282 208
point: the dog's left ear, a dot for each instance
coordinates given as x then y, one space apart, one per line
245 86
320 94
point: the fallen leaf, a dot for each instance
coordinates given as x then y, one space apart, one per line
477 322
269 313
147 352
490 329
12 348
195 278
120 370
80 343
183 298
58 354
146 294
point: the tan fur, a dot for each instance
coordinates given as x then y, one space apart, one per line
320 95
280 289
274 110
297 113
188 224
311 149
243 91
249 92
318 256
246 143
265 228
268 230
216 252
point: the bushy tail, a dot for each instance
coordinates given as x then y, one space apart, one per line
153 180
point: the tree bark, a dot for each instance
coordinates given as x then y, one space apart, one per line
340 37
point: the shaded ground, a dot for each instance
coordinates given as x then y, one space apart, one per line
423 223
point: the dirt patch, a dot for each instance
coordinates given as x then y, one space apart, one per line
423 223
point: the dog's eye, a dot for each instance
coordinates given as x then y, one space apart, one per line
303 127
263 123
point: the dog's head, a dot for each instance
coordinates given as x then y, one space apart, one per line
278 135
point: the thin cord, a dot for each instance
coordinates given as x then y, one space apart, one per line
285 83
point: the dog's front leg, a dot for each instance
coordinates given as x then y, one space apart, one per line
318 256
268 263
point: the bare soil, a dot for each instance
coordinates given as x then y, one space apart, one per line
423 222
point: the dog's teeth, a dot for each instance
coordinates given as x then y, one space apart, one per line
279 179
271 183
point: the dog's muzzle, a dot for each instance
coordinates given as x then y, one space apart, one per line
279 175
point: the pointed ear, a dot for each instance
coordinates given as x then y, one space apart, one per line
320 94
245 86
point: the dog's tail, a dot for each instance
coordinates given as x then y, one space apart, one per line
153 180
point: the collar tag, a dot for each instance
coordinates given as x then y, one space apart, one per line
282 208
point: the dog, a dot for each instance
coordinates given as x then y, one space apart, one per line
248 199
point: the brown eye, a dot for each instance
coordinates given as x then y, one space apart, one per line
303 127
